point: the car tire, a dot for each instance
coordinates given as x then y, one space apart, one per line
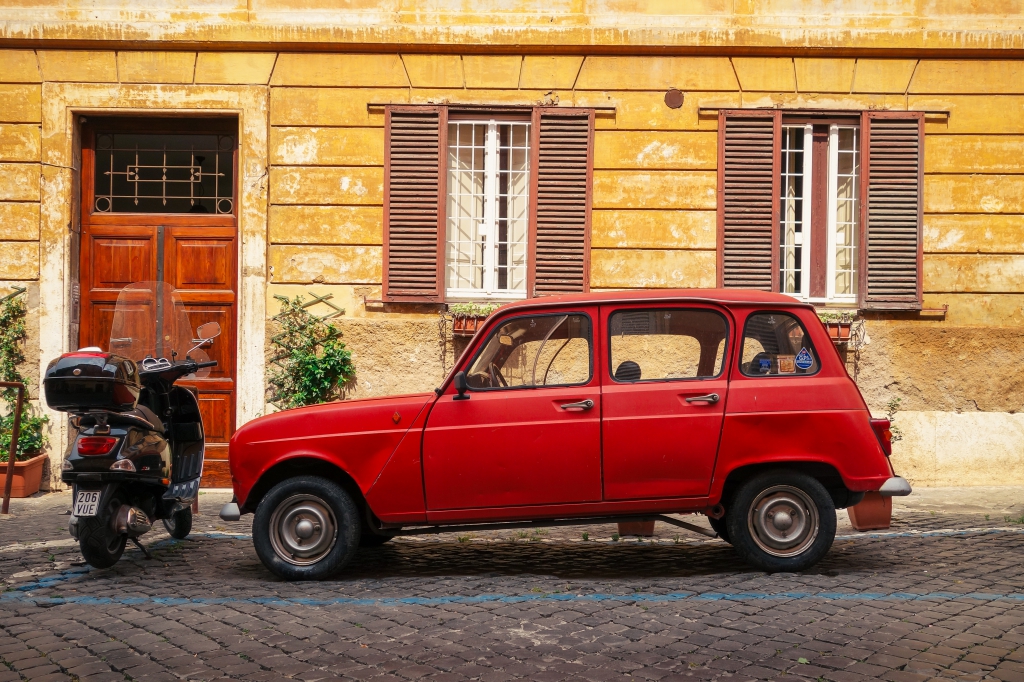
782 521
101 547
306 528
179 524
721 527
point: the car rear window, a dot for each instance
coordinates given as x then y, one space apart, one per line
665 344
776 344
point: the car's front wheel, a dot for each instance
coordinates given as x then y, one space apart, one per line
306 528
782 521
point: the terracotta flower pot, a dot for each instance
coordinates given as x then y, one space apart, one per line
641 528
27 476
874 512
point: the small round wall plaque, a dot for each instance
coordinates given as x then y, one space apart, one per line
674 98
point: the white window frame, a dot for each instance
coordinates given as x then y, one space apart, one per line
488 226
805 237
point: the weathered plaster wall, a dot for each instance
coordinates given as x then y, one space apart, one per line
315 198
554 25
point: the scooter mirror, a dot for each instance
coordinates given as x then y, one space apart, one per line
208 331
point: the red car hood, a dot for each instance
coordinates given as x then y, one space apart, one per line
359 436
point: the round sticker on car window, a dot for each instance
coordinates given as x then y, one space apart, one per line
804 359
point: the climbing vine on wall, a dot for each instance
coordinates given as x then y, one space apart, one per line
32 436
309 363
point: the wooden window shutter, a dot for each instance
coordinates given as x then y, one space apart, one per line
414 192
561 193
891 215
748 199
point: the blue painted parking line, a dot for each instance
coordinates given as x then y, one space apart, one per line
20 596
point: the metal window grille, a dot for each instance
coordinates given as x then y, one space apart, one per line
844 210
164 173
488 209
793 209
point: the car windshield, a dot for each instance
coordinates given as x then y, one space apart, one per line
150 320
538 350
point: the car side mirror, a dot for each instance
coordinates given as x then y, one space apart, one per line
461 386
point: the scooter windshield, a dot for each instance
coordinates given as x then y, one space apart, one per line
150 320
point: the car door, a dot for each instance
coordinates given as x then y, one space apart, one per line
664 393
528 430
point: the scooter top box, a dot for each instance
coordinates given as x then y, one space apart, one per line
92 380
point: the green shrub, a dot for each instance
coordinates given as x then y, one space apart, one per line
32 433
310 364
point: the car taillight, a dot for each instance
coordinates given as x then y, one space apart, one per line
884 434
95 445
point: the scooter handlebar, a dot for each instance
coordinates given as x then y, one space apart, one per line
211 363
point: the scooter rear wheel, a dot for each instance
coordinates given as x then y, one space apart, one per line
101 547
179 524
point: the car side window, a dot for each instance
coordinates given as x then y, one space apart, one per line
666 343
535 350
776 344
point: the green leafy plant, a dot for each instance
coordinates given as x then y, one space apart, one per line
310 364
32 432
472 309
891 408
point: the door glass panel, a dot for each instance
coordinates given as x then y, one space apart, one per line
164 173
655 345
542 350
776 344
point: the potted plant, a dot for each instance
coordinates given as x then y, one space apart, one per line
29 456
467 318
838 324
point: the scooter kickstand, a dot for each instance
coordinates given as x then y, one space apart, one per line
135 541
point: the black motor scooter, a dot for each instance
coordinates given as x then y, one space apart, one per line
138 445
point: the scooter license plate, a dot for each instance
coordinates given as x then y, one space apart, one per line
87 502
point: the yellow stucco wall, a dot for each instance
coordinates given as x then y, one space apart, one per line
654 182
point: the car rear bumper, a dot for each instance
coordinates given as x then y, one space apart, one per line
896 486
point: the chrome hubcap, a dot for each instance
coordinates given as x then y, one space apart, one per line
783 521
303 530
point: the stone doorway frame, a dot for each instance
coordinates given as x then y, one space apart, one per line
63 104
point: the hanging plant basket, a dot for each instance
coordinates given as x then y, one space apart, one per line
28 476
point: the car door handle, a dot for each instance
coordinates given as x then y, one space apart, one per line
580 406
710 398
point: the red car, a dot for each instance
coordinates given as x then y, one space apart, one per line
592 408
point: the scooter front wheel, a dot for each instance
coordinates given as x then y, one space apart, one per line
179 524
101 547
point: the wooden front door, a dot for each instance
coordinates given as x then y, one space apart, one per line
159 204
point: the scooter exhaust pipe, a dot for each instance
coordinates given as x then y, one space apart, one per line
131 521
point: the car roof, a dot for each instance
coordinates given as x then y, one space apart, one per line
720 296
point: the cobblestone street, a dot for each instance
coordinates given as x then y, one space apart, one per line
941 594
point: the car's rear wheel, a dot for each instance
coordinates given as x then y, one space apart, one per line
782 521
306 528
